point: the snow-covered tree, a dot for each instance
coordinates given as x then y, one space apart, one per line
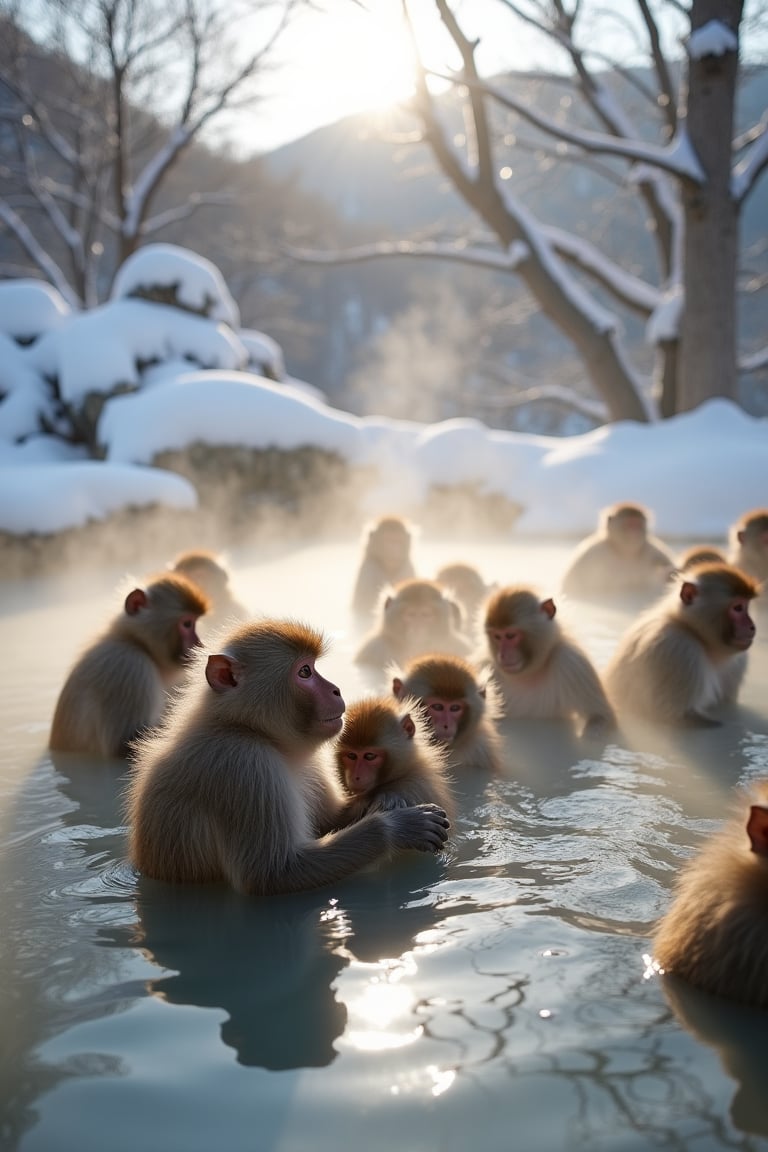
99 99
691 175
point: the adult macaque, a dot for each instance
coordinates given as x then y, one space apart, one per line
418 617
465 584
699 554
386 759
461 710
619 559
231 787
688 653
210 572
119 685
542 673
749 544
715 932
386 561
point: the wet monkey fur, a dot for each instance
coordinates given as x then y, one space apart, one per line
118 687
461 708
232 787
386 759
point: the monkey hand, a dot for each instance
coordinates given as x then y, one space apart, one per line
423 827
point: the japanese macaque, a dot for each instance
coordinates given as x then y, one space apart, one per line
119 685
386 759
749 544
386 561
699 554
418 617
542 673
232 788
465 584
461 710
688 653
715 932
209 572
619 559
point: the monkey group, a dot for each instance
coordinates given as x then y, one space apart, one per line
247 767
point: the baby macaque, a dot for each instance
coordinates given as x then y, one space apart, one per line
619 559
749 544
465 584
715 932
118 687
699 554
209 572
386 759
231 788
688 653
542 673
386 561
461 710
418 617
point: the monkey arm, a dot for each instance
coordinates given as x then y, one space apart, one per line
582 691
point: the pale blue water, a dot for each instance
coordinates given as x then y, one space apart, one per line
492 999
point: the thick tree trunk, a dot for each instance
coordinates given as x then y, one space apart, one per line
708 329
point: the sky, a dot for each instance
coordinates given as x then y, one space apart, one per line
354 57
696 473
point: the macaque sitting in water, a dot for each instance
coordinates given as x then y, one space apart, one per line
467 586
749 544
541 672
386 561
715 932
119 686
418 617
688 653
385 759
620 559
232 787
210 572
462 711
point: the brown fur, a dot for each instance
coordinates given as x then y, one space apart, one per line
678 660
386 560
231 788
418 617
715 933
556 678
749 544
118 687
414 771
209 572
602 565
699 554
477 743
465 584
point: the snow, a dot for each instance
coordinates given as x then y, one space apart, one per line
198 283
713 39
30 307
696 472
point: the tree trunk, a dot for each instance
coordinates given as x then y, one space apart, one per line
708 328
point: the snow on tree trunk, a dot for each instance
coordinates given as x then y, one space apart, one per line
707 365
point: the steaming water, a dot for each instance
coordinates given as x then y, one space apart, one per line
494 998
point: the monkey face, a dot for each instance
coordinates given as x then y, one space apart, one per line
318 701
509 648
362 768
446 716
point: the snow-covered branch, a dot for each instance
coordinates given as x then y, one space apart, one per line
37 253
754 361
457 251
633 292
752 165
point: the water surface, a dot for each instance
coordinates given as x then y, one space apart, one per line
495 997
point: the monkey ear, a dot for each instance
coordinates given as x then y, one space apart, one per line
482 690
688 591
222 672
408 726
397 687
548 607
757 829
135 601
740 536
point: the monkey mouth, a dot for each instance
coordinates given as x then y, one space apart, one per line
513 665
333 720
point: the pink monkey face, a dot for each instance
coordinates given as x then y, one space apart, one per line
445 716
362 768
319 700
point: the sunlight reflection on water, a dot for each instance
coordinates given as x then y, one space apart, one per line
493 997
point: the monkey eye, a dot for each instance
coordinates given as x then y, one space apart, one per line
369 756
739 606
455 708
305 671
350 756
437 707
187 624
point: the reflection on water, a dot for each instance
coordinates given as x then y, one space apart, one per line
494 997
